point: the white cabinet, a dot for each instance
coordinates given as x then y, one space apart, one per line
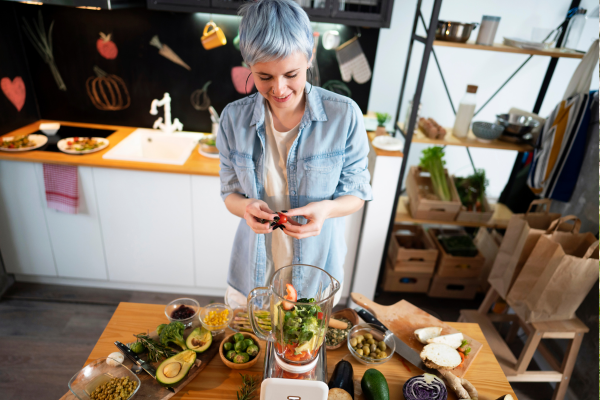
24 239
146 220
76 238
214 231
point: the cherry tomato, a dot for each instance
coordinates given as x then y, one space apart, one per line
69 143
291 295
282 218
76 139
320 315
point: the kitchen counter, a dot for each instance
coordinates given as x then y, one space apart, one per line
217 381
196 164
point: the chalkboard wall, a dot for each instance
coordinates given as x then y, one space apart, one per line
145 74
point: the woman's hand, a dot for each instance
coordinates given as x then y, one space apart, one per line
315 213
256 210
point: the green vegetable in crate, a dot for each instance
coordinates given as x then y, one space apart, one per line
471 190
172 333
432 162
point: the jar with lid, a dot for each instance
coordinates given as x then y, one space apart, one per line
487 30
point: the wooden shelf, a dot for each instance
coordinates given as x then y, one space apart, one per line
470 141
499 220
498 47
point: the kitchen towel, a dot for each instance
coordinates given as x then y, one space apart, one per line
62 187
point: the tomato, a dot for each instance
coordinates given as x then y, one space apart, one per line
320 315
282 218
291 295
70 143
76 139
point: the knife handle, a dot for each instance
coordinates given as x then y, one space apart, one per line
127 352
369 318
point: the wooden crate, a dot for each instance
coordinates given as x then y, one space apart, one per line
454 288
395 281
418 185
474 216
456 267
402 254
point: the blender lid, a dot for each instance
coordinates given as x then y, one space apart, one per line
293 389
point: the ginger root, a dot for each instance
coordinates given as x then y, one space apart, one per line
463 389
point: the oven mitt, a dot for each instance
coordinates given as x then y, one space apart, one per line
353 63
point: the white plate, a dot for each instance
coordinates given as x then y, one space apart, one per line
388 143
39 140
62 146
209 155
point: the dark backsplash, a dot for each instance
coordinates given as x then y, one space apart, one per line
145 73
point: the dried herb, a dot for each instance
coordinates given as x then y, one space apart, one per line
249 385
156 350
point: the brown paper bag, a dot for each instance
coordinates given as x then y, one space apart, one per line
554 281
520 238
488 245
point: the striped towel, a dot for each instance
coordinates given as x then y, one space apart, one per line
62 187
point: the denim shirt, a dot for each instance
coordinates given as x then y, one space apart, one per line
327 160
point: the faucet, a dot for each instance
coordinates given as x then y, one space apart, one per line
167 126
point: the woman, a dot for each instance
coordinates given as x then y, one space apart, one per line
291 147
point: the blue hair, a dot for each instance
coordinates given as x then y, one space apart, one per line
274 29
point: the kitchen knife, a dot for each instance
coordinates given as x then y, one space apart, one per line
127 352
409 354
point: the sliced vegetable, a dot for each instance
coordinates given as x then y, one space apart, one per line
425 334
440 356
453 340
374 385
426 386
342 379
291 295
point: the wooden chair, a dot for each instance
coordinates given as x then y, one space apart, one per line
515 368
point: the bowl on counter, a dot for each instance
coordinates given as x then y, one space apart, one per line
486 132
177 304
378 335
217 308
97 373
346 313
232 365
451 31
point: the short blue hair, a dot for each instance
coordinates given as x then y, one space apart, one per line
274 29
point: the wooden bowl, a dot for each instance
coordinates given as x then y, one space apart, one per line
350 315
232 365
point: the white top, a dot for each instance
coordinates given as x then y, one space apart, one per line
279 246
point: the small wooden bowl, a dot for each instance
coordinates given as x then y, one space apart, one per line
232 365
350 315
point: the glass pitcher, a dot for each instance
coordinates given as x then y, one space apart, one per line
300 298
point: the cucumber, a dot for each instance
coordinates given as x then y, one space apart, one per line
374 385
342 378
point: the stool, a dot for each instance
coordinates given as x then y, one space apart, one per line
515 368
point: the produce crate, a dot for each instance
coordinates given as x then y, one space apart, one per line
476 216
456 267
454 288
395 281
419 188
412 250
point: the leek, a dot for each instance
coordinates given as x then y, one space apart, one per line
432 162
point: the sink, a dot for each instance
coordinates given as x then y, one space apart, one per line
154 146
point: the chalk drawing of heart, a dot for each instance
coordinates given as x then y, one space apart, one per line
14 91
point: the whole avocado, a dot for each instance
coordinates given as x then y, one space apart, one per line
374 385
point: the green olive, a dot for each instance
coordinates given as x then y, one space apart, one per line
382 346
353 342
366 350
359 352
373 347
370 341
368 336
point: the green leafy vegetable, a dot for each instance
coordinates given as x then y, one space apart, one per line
172 333
432 162
471 190
301 324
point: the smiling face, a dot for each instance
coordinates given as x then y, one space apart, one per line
282 81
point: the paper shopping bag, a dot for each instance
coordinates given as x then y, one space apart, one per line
488 245
521 235
554 281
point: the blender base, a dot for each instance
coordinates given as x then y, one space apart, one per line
272 370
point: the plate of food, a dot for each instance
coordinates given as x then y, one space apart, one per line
82 145
22 142
208 147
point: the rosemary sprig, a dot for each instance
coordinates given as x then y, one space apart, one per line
156 350
249 385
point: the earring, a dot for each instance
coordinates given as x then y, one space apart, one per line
246 86
309 80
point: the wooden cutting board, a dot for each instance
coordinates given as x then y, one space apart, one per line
404 318
150 389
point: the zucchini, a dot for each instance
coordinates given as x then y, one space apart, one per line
342 378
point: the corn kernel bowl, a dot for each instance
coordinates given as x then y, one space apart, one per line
216 317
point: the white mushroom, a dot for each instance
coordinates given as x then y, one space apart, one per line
115 358
425 334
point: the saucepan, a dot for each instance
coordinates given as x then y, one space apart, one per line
452 31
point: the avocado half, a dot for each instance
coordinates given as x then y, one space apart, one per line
199 340
172 371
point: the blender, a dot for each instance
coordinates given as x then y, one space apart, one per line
300 300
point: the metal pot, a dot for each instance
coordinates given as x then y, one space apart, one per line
451 31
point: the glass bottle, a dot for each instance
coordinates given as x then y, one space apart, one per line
464 115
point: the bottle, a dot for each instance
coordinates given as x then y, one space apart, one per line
466 109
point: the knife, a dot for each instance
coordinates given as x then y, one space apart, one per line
402 348
127 352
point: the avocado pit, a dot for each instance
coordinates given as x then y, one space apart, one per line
172 370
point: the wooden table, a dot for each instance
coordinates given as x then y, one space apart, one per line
217 381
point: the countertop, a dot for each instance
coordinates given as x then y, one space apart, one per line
217 381
196 164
